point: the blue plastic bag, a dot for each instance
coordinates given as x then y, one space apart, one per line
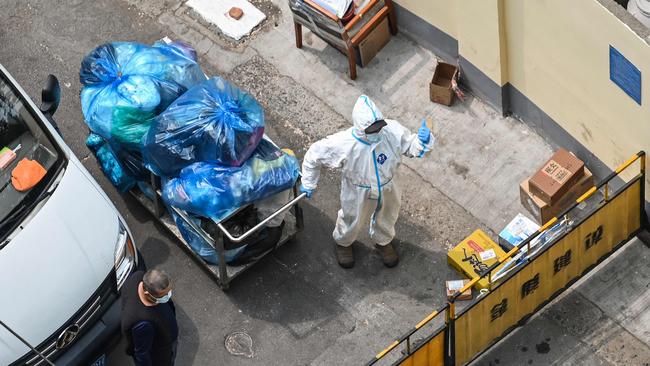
211 123
125 85
180 47
215 191
110 164
202 248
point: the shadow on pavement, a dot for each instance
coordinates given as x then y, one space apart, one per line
302 288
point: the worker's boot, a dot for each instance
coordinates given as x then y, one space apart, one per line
345 256
388 255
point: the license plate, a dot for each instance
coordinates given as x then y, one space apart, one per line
101 361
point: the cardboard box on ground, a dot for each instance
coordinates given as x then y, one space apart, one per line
518 230
440 90
542 211
556 176
475 254
454 286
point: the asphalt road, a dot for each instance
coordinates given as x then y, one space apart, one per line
42 37
290 302
298 306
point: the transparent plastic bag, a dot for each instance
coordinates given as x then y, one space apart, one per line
211 123
126 84
215 191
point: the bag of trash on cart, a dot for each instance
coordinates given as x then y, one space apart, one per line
121 166
236 254
199 246
215 191
213 122
126 84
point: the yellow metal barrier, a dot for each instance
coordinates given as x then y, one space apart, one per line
533 284
430 352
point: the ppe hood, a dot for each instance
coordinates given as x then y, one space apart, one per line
364 114
56 263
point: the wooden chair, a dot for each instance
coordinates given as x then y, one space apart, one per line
346 38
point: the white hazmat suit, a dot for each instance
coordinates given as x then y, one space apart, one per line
369 188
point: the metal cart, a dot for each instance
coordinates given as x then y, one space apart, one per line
222 273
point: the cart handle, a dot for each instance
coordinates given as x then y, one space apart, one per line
257 227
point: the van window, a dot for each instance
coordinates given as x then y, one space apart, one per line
22 132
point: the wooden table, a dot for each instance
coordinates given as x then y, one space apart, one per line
344 37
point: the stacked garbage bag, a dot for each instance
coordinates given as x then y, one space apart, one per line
213 122
125 85
151 109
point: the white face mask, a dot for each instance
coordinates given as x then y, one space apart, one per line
373 138
164 299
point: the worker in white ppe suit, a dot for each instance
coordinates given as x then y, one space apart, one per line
369 154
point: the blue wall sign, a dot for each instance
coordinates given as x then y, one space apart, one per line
624 74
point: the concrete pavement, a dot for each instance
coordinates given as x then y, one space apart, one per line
298 306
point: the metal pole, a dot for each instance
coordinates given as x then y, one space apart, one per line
261 224
452 333
26 343
644 215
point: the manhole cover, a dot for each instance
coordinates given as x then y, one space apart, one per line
239 344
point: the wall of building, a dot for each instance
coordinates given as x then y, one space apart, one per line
440 13
558 57
547 61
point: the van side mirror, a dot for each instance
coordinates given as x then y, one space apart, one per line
50 96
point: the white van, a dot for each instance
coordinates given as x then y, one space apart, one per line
65 251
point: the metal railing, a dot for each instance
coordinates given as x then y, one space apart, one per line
622 216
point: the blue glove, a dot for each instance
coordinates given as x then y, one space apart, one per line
309 192
424 134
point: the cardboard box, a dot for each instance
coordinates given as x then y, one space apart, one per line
440 88
373 43
541 211
518 230
557 176
475 254
455 286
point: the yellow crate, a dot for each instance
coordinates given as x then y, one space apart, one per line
474 253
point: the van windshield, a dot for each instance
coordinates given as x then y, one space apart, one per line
22 138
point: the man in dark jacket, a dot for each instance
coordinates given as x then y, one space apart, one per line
149 318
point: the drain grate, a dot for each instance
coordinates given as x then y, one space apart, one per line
239 344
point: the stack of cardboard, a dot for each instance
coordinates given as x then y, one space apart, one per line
555 186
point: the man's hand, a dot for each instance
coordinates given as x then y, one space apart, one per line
424 134
309 192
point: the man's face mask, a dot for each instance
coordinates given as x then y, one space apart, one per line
163 299
373 138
